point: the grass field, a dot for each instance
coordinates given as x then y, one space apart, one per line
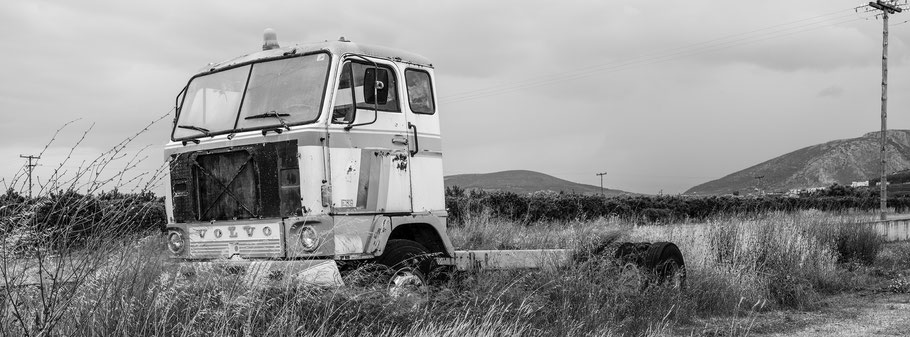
736 267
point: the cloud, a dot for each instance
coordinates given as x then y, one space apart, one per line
832 91
623 68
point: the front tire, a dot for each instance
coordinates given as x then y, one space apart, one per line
409 263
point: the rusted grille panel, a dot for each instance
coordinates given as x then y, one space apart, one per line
235 183
227 185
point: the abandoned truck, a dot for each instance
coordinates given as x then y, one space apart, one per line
292 160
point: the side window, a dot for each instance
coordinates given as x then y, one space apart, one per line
352 91
420 91
343 112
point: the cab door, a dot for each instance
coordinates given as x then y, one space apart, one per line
425 142
368 140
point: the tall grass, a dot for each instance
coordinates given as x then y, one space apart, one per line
53 243
736 266
78 271
138 293
776 259
782 259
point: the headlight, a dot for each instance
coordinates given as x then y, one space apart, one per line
175 242
307 238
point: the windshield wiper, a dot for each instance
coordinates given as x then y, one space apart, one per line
275 114
204 131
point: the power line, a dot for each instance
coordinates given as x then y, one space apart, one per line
663 56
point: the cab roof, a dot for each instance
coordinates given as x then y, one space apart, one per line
334 47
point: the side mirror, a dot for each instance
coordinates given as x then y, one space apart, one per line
375 86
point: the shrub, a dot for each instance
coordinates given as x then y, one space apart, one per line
858 242
551 206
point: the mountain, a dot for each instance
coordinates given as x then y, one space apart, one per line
840 161
523 182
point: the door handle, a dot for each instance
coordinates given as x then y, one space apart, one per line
416 142
400 140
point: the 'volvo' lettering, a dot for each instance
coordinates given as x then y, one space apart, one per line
233 232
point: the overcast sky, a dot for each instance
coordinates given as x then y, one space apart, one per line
662 95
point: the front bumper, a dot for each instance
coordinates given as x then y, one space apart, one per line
254 238
262 272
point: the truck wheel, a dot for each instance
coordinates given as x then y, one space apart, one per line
630 260
630 279
409 264
629 252
666 264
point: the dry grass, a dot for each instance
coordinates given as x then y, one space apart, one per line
736 267
111 284
138 293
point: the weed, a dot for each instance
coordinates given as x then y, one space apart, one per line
900 284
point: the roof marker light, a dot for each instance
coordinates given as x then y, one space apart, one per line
270 39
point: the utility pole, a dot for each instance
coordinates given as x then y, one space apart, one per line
30 166
602 174
887 8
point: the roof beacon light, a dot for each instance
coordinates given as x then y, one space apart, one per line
270 39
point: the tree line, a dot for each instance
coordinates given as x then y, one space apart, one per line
553 206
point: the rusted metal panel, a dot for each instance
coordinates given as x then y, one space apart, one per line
289 179
396 181
367 180
227 186
251 181
352 232
379 235
312 160
345 172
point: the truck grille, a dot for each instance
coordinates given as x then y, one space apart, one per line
258 248
246 239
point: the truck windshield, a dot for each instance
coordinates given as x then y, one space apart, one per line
267 94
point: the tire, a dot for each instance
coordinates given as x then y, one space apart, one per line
409 264
632 271
401 253
629 252
666 264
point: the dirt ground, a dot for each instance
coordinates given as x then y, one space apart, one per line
875 310
865 313
855 314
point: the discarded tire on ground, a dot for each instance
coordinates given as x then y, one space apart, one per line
632 252
666 265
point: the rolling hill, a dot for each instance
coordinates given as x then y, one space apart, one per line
522 182
840 161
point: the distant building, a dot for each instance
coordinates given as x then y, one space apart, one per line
815 189
859 183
